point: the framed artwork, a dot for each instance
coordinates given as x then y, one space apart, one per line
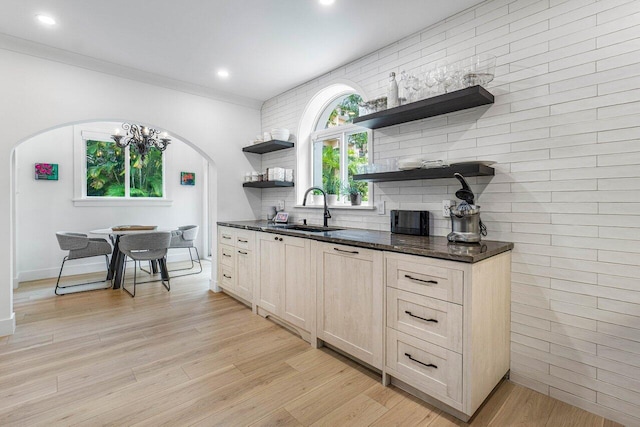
47 171
187 178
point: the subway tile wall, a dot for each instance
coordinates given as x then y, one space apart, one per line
565 133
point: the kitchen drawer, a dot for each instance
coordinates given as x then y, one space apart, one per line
245 239
227 255
227 277
416 274
226 236
428 367
438 322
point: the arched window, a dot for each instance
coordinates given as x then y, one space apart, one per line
340 149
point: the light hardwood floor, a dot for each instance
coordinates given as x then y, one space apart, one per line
192 357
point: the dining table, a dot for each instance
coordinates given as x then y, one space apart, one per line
117 264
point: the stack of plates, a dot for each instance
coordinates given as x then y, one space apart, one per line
410 163
418 163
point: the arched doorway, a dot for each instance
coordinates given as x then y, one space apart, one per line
80 201
43 94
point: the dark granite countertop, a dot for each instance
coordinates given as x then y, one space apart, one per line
429 246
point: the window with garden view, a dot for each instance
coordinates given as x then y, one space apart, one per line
341 149
110 175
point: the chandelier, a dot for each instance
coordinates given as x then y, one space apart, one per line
141 137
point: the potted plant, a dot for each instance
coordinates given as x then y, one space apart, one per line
317 197
332 188
354 190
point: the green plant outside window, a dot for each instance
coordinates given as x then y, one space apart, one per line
340 155
146 178
106 171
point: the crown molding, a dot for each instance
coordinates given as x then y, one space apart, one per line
27 47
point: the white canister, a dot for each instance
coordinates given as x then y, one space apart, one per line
266 136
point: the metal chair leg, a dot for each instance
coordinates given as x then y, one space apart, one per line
65 259
146 271
163 265
199 262
124 276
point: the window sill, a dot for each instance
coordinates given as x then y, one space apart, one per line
122 202
348 207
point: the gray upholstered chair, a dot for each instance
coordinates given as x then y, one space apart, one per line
184 238
146 247
81 246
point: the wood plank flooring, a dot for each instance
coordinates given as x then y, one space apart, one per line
192 357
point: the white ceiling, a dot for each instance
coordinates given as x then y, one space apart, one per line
268 46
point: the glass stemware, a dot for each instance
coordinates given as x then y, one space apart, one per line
415 88
430 81
402 90
441 76
407 88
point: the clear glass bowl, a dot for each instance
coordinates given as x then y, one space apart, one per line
478 70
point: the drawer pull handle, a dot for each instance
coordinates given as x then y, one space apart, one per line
280 239
428 365
243 241
228 277
226 237
346 252
275 238
227 255
242 252
421 318
433 282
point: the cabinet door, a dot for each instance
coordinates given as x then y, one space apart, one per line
245 276
270 271
350 301
297 287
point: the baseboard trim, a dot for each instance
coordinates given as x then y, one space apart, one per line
8 326
80 268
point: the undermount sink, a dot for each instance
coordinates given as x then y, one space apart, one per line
310 228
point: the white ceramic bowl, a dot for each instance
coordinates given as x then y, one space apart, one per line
280 134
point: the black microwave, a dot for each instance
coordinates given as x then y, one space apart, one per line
410 222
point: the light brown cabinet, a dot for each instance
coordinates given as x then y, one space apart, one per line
350 300
448 326
285 287
439 329
236 262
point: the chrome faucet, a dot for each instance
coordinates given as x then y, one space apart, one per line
327 214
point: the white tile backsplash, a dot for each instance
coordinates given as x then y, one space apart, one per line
565 132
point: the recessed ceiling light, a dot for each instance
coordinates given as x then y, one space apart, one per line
326 2
223 74
46 20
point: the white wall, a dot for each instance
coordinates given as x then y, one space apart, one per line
565 132
44 207
39 95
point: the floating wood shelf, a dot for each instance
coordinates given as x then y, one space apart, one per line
458 100
268 146
267 184
465 169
